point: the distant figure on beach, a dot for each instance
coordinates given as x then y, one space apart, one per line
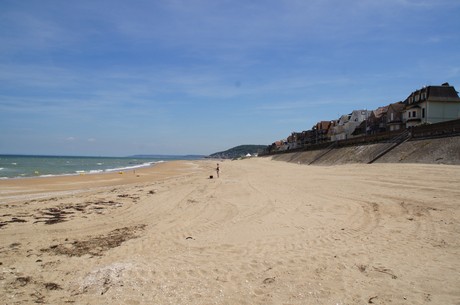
217 170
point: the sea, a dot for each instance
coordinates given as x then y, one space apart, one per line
20 166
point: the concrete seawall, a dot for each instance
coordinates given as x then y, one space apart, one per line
430 151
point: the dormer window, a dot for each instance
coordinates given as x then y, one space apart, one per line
417 98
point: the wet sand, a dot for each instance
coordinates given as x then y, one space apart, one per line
265 232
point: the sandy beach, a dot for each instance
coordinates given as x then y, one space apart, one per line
265 232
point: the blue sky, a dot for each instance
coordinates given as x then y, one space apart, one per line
117 78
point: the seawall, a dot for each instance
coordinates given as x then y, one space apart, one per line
444 150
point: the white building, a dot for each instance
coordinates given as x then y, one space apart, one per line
432 104
348 123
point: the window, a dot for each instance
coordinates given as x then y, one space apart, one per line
392 116
409 114
414 114
423 112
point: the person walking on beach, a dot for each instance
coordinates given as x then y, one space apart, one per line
217 170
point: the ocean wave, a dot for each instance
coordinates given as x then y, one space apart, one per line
51 169
97 171
91 171
24 176
147 164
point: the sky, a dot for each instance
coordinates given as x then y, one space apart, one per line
117 78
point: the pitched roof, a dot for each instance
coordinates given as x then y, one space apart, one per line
379 112
323 125
443 93
397 107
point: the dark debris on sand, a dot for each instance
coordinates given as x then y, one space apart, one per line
97 245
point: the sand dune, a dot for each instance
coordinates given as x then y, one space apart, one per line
265 232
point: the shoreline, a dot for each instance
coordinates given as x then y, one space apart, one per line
90 172
17 189
18 167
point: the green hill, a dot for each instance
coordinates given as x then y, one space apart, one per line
239 151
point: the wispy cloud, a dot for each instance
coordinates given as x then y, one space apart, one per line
34 32
426 3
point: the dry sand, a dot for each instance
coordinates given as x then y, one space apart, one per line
265 232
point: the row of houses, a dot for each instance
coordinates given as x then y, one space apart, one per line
428 105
